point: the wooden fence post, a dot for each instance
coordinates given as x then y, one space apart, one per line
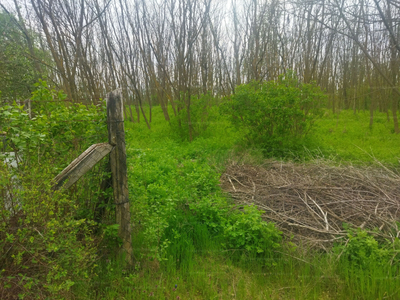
116 137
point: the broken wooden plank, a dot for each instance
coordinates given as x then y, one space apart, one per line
81 165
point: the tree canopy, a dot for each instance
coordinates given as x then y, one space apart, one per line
17 67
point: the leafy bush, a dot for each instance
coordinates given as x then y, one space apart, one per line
363 250
44 248
237 230
246 230
55 135
58 130
178 201
367 266
18 69
276 115
47 244
162 183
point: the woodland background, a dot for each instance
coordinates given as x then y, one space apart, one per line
164 52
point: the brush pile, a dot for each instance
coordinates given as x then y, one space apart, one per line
312 201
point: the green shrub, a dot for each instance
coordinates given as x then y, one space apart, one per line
57 133
276 115
47 243
246 230
58 130
44 248
363 250
176 195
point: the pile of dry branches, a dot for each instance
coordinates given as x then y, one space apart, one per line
312 201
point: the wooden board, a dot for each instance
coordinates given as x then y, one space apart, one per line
81 165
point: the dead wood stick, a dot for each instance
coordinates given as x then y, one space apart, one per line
231 183
238 181
317 230
323 213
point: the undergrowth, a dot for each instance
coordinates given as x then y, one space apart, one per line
174 187
190 239
192 242
48 244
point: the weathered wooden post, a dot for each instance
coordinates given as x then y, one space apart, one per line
116 137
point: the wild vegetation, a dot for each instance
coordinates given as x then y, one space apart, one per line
276 115
231 108
190 239
186 232
46 236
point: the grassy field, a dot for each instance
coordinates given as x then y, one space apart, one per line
183 244
348 137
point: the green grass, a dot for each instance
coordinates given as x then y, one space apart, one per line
214 276
181 221
347 136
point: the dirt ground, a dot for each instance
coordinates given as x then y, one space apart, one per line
312 201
